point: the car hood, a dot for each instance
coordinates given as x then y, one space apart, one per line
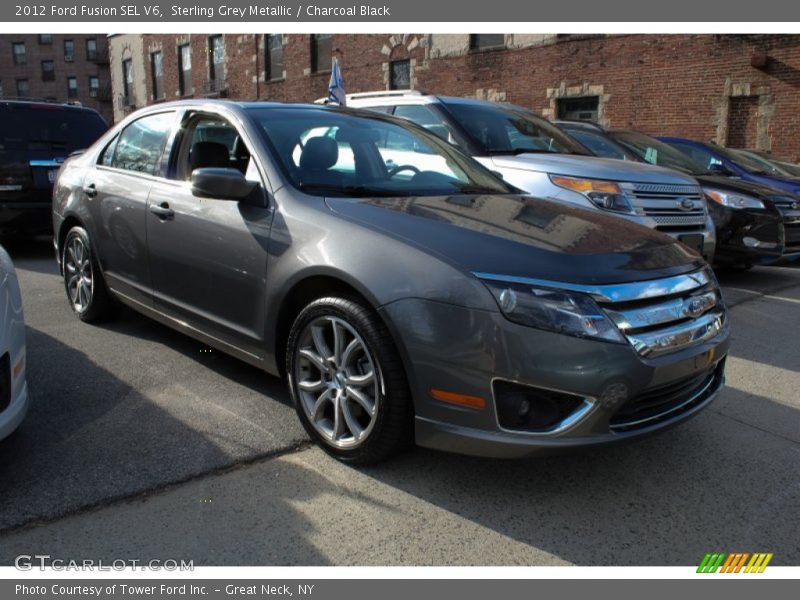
524 237
592 167
737 185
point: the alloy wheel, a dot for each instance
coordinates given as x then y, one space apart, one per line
78 274
338 381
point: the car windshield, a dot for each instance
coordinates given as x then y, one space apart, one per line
656 152
333 152
508 129
746 162
51 128
760 166
599 144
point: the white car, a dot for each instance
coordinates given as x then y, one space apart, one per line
13 387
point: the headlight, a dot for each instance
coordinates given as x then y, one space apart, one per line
554 310
603 194
732 199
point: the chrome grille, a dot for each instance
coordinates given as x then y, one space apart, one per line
666 315
669 205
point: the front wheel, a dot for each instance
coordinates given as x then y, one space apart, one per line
347 381
86 290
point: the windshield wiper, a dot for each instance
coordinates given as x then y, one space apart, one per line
349 190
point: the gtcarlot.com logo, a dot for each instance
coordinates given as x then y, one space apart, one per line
734 562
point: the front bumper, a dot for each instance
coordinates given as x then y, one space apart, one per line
464 350
747 236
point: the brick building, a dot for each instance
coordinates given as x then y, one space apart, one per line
65 68
740 90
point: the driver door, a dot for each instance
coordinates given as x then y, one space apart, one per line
208 256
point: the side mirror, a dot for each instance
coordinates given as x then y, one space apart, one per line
222 184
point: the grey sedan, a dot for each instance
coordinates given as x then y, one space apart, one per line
402 289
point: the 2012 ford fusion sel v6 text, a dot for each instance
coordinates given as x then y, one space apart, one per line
403 289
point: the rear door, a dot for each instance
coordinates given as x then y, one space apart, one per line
116 192
208 257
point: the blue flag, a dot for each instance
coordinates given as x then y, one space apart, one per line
336 91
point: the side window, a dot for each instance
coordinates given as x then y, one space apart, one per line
141 143
108 152
386 109
422 115
210 141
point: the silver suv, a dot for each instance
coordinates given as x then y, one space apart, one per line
535 156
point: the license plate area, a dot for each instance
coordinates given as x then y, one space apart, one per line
693 241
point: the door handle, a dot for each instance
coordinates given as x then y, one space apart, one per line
162 211
90 190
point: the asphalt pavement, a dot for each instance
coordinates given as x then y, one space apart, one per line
142 443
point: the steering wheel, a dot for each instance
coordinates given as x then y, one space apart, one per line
395 170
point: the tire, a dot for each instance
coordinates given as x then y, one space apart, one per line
86 289
337 383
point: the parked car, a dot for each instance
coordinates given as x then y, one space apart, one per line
730 163
755 224
35 138
788 168
425 295
535 156
13 386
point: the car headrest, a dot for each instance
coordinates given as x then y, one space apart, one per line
319 153
209 154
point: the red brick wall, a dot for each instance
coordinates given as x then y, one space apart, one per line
80 68
660 84
742 118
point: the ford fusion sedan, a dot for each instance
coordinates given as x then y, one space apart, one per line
755 224
402 289
535 156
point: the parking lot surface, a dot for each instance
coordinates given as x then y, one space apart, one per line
142 443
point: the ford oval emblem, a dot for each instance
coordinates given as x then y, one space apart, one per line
695 307
795 205
686 204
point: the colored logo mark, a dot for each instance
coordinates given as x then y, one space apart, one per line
735 562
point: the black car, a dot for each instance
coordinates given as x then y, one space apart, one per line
750 218
35 138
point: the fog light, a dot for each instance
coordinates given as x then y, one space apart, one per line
527 408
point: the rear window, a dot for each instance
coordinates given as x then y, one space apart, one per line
37 127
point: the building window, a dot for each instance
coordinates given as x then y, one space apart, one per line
48 70
157 67
72 87
585 108
45 38
216 66
127 82
185 70
20 57
320 52
23 89
94 86
273 58
69 50
91 49
487 41
399 74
